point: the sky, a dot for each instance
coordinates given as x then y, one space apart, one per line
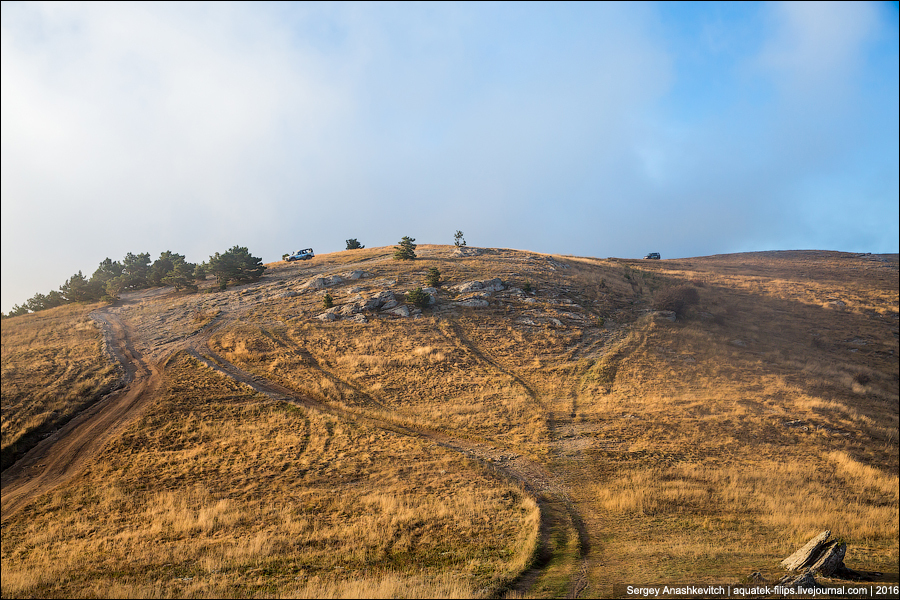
688 129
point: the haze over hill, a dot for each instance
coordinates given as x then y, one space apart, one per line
548 425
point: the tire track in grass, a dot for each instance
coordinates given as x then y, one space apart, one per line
548 499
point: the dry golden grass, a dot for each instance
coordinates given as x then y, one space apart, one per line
218 492
52 367
690 451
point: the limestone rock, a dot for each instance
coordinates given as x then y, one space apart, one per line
808 554
399 311
664 314
831 559
351 308
327 316
756 578
473 303
380 299
489 285
468 286
803 580
492 285
319 283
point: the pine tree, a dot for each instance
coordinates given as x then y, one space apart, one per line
136 268
418 298
353 244
406 250
182 275
433 279
236 265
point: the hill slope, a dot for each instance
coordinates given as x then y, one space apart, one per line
548 432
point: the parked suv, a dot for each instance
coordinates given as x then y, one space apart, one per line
654 255
305 254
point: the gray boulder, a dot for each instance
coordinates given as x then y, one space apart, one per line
489 285
319 283
807 555
473 303
379 300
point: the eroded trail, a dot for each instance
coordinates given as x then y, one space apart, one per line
64 453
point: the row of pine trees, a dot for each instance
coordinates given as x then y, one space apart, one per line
136 272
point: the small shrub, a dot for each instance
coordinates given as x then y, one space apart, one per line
433 279
677 299
417 298
327 301
353 244
527 287
862 378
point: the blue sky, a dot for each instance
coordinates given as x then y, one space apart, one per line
589 129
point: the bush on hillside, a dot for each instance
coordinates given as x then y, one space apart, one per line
418 298
433 279
676 298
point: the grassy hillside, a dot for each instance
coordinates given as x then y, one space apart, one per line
559 425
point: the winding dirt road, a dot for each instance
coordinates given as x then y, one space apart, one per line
64 454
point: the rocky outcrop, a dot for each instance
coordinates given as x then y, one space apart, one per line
372 303
803 580
819 555
399 311
490 285
320 283
473 303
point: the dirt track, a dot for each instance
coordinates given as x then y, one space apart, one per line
65 453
